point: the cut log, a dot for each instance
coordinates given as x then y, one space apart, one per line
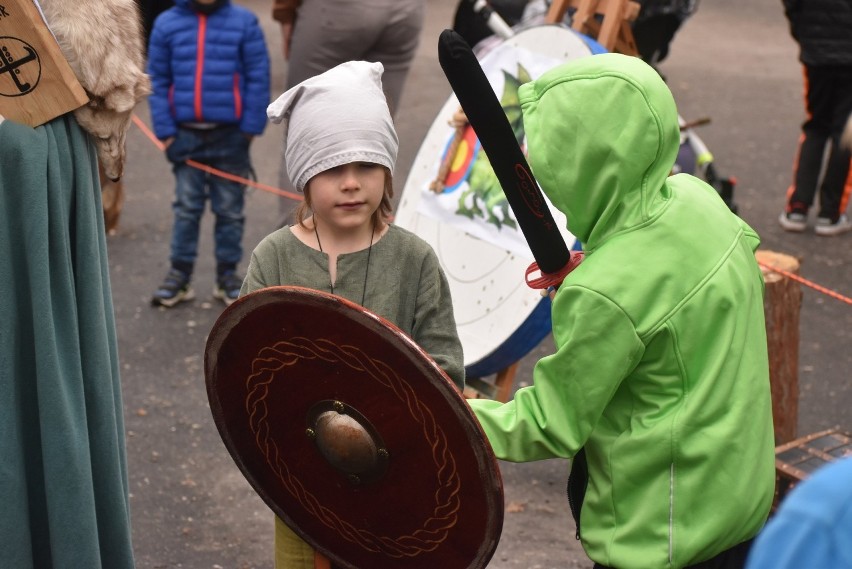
782 305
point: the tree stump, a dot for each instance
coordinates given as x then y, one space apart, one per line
782 305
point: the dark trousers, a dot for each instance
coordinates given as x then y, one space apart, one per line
733 558
828 102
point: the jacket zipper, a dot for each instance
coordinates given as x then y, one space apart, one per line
671 512
578 482
199 66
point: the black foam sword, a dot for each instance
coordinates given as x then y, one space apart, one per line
486 116
489 122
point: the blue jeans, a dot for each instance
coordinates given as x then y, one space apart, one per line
226 149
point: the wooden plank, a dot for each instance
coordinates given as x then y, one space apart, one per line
584 15
791 457
611 25
626 43
557 9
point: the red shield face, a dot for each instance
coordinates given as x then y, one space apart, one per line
351 433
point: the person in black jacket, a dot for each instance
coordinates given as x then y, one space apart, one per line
149 10
656 25
823 30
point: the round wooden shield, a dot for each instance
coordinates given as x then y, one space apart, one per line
351 433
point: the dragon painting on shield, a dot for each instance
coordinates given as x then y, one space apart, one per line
483 197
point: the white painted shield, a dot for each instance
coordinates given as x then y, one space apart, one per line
499 318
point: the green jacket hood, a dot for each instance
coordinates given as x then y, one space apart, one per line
602 137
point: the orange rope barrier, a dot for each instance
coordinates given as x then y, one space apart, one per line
816 287
271 189
210 170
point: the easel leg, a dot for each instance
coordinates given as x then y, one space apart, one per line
556 11
504 381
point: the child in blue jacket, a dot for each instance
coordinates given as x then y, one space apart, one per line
209 69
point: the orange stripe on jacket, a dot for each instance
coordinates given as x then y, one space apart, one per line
199 65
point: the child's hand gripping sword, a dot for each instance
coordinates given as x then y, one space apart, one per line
486 116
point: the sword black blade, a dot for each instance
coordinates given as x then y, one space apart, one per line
489 121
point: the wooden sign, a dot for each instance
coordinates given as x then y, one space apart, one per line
36 82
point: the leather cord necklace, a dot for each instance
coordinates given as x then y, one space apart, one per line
366 269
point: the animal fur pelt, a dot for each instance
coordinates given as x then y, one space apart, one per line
102 41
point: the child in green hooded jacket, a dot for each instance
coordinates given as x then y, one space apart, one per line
661 371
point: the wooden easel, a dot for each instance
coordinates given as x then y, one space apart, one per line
499 390
612 30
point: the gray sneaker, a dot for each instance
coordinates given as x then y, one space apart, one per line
175 288
826 228
227 288
793 221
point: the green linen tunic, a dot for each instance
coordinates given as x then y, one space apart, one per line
403 283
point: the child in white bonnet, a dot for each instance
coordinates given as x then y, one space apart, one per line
341 149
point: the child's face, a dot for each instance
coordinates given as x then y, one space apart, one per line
346 196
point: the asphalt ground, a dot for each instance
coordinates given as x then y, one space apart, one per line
191 508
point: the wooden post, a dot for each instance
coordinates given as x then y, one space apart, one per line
782 305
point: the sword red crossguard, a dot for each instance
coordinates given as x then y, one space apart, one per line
552 280
489 121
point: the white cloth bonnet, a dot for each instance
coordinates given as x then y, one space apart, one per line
336 118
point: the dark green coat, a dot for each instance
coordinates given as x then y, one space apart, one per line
63 471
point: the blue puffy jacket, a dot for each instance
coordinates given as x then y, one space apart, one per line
208 68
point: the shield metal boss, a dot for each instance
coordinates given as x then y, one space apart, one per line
351 433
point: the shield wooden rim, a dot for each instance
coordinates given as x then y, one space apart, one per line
427 491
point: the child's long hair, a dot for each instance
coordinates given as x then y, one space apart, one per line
381 216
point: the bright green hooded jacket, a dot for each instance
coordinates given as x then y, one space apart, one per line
661 368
